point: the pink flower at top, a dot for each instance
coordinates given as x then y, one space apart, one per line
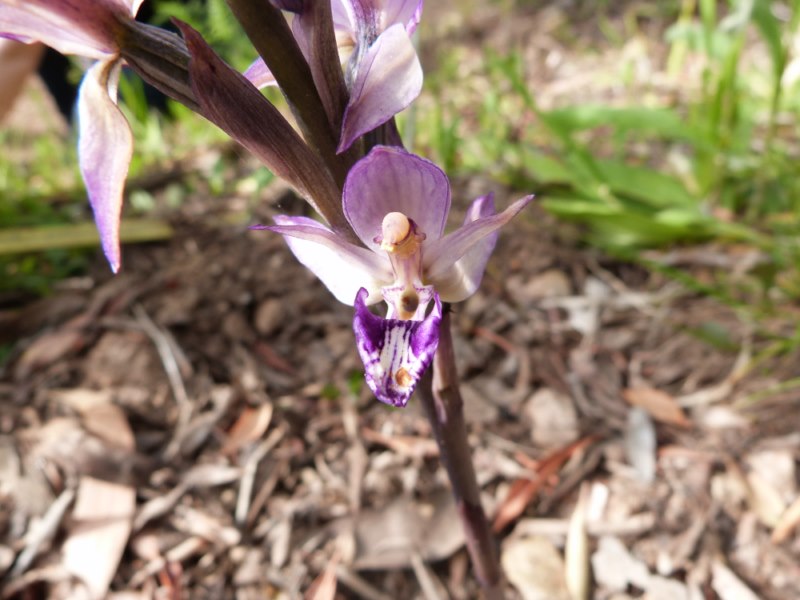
382 71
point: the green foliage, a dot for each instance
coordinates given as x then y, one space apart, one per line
719 166
215 21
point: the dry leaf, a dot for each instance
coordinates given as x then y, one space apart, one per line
661 406
521 494
388 538
7 556
324 586
764 499
405 445
776 466
249 427
99 415
129 595
727 585
98 533
43 530
534 566
615 568
787 522
523 491
210 475
272 359
51 347
720 417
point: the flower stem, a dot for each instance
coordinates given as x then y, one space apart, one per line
444 408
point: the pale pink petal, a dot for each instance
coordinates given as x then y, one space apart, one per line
343 16
387 80
405 12
134 6
82 27
390 179
259 74
455 263
464 278
105 146
130 7
58 31
301 29
343 267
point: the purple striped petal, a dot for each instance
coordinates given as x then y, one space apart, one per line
105 147
387 80
455 263
343 267
390 179
395 353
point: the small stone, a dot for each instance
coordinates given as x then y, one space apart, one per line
269 316
553 419
477 407
535 567
552 283
7 556
614 567
236 328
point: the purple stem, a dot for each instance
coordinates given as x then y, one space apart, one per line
444 408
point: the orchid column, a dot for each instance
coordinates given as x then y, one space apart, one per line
346 67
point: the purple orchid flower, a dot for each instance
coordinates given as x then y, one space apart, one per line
397 203
382 71
105 143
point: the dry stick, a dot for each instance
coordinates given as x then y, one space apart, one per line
444 407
